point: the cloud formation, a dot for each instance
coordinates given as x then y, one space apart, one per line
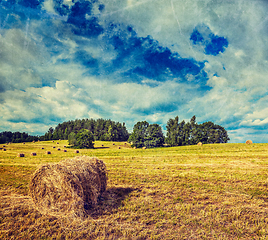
132 61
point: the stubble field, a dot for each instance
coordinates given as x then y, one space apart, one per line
193 192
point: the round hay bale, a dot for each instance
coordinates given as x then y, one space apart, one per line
135 147
144 148
33 154
53 147
48 152
249 142
4 145
199 144
33 141
3 149
64 150
23 143
42 148
68 187
119 147
76 151
58 149
64 146
21 155
57 143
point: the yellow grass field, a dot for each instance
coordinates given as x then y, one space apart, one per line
193 192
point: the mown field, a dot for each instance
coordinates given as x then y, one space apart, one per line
193 192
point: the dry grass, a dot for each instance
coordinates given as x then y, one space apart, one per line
214 192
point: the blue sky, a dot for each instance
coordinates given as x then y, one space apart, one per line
134 60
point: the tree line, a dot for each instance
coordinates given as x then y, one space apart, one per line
16 137
102 129
82 133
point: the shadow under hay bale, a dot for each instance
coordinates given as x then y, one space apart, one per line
21 155
48 152
3 149
249 142
33 154
76 151
64 150
70 187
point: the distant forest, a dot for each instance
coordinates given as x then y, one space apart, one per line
103 130
143 135
16 137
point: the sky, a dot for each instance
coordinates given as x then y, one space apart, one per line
135 60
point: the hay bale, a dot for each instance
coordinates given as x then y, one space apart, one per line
76 151
48 152
135 147
64 146
42 148
119 147
57 143
3 149
21 155
53 147
33 154
23 143
144 148
69 187
249 142
199 144
4 145
58 149
33 141
64 150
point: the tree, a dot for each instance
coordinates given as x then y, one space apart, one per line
146 135
154 136
172 132
83 139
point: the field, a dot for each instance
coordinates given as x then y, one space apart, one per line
193 192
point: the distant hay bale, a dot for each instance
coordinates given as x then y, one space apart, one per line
21 155
48 152
249 142
70 187
119 147
23 143
144 148
58 149
53 147
64 150
102 145
33 154
33 141
76 151
57 143
3 149
113 144
135 147
64 146
4 145
199 144
42 148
